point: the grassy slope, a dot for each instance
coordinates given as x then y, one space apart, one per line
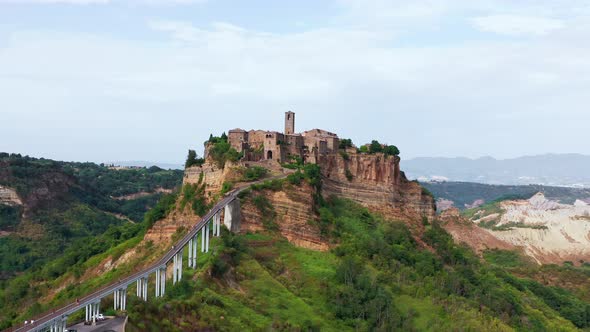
377 278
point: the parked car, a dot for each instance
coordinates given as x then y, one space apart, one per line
100 317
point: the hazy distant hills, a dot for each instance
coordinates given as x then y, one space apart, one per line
143 163
550 169
468 194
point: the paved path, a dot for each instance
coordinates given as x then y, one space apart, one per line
116 324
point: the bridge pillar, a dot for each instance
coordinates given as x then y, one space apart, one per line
194 256
157 284
203 230
95 309
145 288
174 269
207 235
231 216
65 323
217 219
190 253
124 299
163 280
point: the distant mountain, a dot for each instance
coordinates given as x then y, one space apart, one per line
572 170
464 195
143 163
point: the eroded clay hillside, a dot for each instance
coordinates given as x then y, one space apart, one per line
547 231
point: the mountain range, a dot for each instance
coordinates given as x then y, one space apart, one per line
569 170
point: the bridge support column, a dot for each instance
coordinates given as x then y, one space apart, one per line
203 238
95 309
217 223
174 269
157 284
195 245
162 281
144 283
180 265
232 217
124 299
190 253
207 234
87 313
177 273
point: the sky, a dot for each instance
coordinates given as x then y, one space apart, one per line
111 80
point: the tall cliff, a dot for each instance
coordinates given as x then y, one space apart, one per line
376 181
373 180
289 211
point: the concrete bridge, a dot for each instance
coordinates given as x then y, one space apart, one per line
209 225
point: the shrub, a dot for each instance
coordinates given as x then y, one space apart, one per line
226 187
345 143
254 173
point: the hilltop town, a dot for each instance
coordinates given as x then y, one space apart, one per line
257 145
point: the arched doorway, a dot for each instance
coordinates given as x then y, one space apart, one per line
269 155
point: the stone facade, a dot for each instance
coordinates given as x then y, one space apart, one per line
260 145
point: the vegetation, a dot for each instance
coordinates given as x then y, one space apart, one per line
377 277
193 160
221 151
376 147
465 193
345 143
254 173
71 217
194 194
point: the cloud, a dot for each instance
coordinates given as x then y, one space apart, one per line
517 25
72 2
151 98
89 2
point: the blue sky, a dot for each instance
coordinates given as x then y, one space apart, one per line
104 80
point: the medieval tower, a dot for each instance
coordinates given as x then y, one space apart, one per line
289 123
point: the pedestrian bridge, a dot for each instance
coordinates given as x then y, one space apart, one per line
209 225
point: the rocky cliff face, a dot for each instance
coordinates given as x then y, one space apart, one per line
376 182
289 210
9 196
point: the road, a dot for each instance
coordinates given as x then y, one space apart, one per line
116 324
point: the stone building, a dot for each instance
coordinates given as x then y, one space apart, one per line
258 145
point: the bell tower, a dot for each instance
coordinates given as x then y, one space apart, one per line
289 123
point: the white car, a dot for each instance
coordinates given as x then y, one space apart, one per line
100 317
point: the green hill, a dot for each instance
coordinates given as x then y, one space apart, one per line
378 276
68 214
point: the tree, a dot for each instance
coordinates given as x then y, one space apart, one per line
375 147
345 143
191 159
391 150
